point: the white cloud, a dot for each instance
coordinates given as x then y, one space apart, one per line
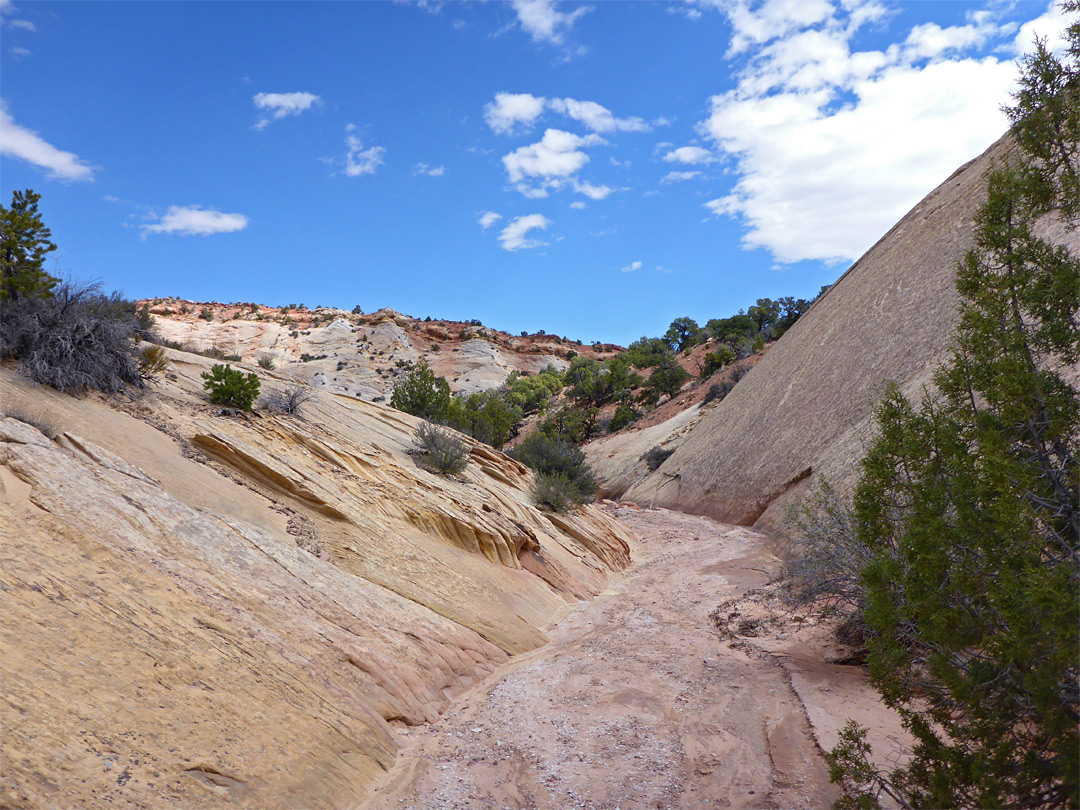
25 25
358 160
832 147
578 205
630 268
593 192
554 159
24 144
1050 25
282 105
430 171
194 220
597 117
20 53
679 177
689 154
543 22
488 218
514 235
509 110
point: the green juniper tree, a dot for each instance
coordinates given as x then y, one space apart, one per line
24 244
969 506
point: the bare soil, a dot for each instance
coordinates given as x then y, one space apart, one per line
642 701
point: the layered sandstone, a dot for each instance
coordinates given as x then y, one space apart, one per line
208 609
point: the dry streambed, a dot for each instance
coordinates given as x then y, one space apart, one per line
639 701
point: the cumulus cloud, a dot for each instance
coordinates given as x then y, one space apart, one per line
358 160
545 23
488 218
1050 26
630 268
510 112
578 205
20 53
679 177
282 105
24 144
689 154
430 171
593 192
597 117
832 147
194 220
514 236
551 161
25 25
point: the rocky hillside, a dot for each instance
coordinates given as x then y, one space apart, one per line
805 410
357 354
205 608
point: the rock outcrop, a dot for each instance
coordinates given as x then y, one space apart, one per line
201 608
361 355
805 411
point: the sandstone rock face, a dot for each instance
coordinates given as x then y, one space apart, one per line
209 610
805 410
361 355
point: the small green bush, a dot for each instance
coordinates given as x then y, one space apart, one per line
441 450
556 491
206 314
623 416
716 391
230 386
550 456
657 456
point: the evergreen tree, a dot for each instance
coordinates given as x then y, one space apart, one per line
969 505
24 243
422 393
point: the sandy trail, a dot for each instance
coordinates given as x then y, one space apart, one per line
637 702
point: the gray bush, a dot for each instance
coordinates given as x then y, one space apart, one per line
46 424
77 339
441 450
657 456
287 400
827 556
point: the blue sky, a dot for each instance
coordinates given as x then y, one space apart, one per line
591 169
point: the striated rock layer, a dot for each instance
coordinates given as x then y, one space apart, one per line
805 411
200 609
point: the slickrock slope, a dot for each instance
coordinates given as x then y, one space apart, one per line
208 610
360 355
805 410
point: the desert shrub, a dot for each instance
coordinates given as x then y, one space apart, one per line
287 400
486 416
46 424
550 456
441 450
623 416
826 555
647 352
716 391
74 339
714 361
230 386
152 362
422 393
667 378
656 456
267 362
556 491
571 425
206 314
